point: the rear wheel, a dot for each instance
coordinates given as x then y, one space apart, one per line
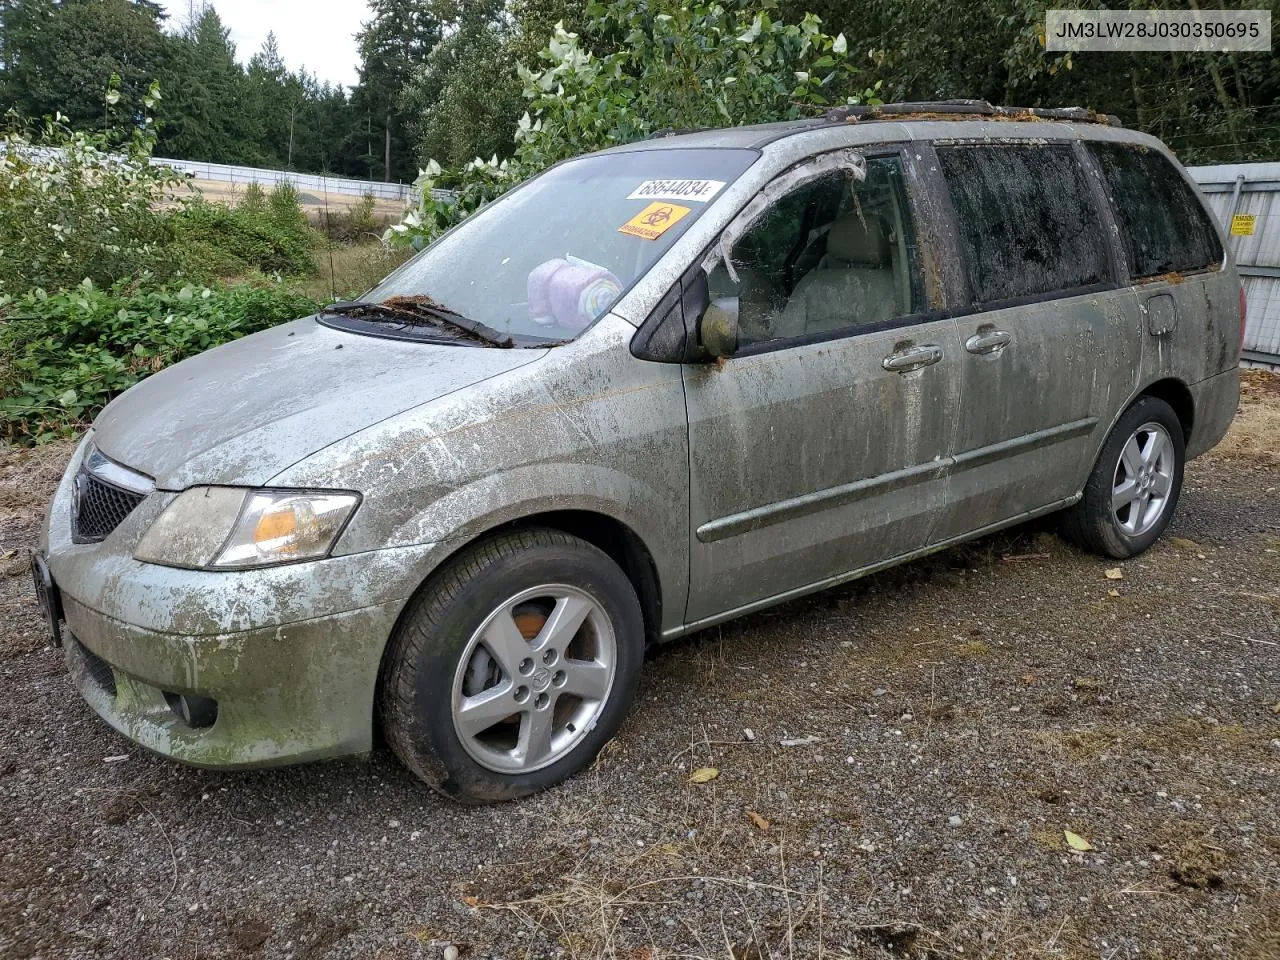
1133 490
513 666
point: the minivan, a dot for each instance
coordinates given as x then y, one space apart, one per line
649 390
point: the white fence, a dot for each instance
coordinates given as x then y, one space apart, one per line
305 182
1244 197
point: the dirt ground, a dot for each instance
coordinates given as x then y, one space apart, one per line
957 716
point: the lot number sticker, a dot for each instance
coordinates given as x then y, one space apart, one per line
687 191
1242 224
654 220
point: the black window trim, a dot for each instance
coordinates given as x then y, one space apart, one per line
960 300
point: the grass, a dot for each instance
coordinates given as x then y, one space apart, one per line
344 272
1255 433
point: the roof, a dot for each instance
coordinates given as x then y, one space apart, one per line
759 135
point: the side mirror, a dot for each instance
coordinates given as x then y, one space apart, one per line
718 328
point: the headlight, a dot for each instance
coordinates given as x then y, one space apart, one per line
224 528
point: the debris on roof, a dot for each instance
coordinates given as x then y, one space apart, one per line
967 110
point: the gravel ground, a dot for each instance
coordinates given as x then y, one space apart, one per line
959 714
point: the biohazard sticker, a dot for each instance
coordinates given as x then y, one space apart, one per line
654 220
686 191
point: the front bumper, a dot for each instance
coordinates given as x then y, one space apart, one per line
285 694
289 654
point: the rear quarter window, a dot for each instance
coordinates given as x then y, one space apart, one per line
1162 222
1026 220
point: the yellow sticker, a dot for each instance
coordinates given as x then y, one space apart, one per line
1242 224
654 220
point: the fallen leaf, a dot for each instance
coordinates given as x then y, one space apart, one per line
1113 593
1182 543
669 849
471 901
1028 678
1086 683
1114 573
704 775
1275 707
1077 842
761 823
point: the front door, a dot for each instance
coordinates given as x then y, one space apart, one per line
816 450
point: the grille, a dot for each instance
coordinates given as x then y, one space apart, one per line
99 671
98 505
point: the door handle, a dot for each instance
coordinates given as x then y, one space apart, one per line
990 341
912 358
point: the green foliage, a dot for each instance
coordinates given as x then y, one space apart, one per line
465 191
59 56
64 356
665 65
211 114
358 223
464 101
265 233
397 38
683 66
76 205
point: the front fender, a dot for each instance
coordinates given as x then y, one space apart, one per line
590 428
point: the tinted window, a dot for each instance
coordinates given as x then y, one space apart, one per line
1163 224
833 254
1027 223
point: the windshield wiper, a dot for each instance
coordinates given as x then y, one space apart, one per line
421 309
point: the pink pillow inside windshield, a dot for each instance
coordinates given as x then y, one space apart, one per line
570 295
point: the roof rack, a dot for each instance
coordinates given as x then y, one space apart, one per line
967 110
672 132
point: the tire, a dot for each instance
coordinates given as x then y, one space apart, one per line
538 622
1133 490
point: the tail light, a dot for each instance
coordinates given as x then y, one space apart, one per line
1244 310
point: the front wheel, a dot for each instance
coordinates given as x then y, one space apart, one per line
512 667
1133 490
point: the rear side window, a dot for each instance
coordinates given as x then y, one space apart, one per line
1163 224
1027 223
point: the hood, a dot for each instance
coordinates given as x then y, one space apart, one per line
243 412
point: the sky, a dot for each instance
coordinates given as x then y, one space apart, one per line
316 34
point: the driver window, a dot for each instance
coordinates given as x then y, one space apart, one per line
834 254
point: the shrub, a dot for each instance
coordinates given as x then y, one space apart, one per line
254 199
358 223
64 356
74 205
267 233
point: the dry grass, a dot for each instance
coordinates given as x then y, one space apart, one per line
1255 433
345 272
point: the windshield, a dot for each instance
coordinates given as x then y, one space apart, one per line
550 258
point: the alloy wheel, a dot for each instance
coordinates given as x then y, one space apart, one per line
1143 480
534 678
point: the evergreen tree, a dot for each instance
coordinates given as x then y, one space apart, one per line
465 100
272 95
205 111
393 44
